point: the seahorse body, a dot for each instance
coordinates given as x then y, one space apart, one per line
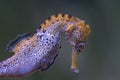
40 50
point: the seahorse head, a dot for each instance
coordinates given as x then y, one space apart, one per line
77 34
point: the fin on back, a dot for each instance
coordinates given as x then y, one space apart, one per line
14 42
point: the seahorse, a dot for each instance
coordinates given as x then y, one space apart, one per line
39 50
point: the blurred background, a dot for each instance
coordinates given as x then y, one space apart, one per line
101 58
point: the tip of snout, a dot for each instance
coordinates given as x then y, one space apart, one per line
75 70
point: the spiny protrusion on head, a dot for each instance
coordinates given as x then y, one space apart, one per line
58 17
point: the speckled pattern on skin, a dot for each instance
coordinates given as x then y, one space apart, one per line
38 52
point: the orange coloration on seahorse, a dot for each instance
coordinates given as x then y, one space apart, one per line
38 51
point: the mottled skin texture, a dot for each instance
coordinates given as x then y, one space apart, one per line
34 54
40 50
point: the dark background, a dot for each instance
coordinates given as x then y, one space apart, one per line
101 58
